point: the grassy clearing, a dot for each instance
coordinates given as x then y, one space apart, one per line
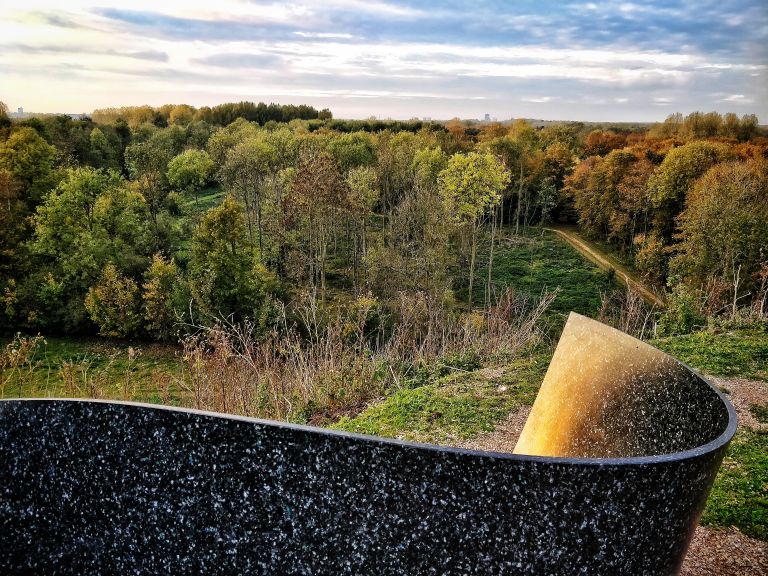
66 368
206 199
452 408
739 353
537 260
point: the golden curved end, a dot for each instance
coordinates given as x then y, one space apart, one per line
607 394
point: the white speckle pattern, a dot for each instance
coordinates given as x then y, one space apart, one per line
90 488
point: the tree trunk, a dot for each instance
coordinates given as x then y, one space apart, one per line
472 263
519 198
490 260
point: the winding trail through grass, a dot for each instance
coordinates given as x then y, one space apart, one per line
606 262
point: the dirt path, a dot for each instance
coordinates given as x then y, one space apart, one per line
606 262
713 551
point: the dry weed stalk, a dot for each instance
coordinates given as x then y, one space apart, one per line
18 362
323 366
627 311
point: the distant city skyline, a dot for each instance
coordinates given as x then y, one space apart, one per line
596 61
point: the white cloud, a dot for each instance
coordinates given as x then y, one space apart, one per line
737 99
537 99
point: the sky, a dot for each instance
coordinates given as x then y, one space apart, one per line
595 61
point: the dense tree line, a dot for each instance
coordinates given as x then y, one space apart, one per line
221 115
140 218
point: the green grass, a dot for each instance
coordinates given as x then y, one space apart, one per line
206 199
102 364
740 494
739 353
538 260
452 408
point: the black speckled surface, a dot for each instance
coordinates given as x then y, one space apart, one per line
108 488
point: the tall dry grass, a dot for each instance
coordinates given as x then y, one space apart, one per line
18 361
628 312
322 366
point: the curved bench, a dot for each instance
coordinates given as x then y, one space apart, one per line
619 465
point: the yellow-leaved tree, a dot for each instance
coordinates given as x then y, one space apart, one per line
470 186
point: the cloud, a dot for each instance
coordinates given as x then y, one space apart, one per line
737 99
152 55
242 60
400 57
537 99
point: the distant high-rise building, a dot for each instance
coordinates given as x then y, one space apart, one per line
487 117
20 111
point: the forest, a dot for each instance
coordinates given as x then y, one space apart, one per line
315 246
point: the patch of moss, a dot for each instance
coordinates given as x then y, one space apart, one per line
760 412
740 494
454 407
738 353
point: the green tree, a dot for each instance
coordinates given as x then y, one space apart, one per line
90 219
102 153
363 196
226 278
30 159
164 298
113 304
352 150
147 164
190 171
470 186
248 169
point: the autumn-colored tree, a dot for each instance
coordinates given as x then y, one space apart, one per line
181 114
319 192
13 225
470 186
610 196
723 231
113 304
600 143
5 121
